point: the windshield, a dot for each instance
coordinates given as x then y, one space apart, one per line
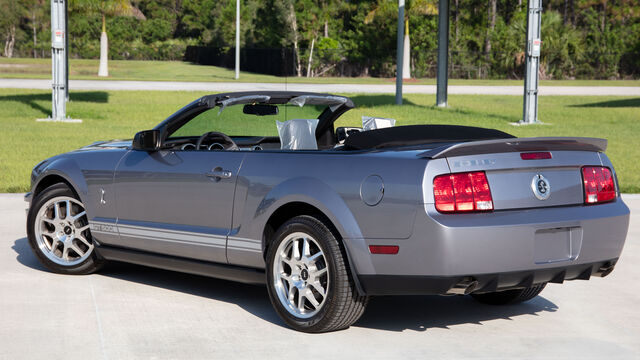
233 122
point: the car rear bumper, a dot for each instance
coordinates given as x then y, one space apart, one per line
542 243
462 285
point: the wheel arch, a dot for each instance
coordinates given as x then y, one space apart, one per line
64 171
294 198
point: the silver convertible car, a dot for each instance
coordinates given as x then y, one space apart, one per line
327 214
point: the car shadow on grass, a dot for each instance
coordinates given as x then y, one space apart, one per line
634 102
390 313
33 100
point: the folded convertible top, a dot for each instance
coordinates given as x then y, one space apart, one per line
420 134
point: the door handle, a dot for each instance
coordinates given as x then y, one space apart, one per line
219 173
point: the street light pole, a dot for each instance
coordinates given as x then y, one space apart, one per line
399 52
237 39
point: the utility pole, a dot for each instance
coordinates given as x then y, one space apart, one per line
400 52
59 63
530 106
237 39
443 53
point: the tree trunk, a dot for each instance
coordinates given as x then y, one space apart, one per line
10 42
293 21
406 60
492 24
103 70
326 28
456 18
313 41
35 35
604 14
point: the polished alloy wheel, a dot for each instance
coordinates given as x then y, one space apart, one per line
62 231
300 275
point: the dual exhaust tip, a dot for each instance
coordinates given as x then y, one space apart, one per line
464 287
468 284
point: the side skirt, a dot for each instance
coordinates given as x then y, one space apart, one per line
191 266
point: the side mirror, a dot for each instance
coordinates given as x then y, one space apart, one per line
148 140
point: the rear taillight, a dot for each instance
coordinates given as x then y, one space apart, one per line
598 185
462 192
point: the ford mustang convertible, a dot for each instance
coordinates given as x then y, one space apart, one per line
280 188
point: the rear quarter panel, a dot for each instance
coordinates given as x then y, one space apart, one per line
330 182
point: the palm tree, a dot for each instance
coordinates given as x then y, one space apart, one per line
106 8
411 7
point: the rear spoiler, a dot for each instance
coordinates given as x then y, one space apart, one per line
517 145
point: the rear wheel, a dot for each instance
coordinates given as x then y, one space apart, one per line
58 232
308 278
506 297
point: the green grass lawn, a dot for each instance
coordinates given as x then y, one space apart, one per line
119 114
182 71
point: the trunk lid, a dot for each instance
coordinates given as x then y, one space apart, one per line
513 181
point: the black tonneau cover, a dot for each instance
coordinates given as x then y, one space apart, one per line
419 135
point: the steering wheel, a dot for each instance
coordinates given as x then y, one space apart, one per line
226 142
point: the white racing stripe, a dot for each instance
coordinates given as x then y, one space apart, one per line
177 236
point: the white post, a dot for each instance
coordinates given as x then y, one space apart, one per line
399 52
58 63
237 39
530 106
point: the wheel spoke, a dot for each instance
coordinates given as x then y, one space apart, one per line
77 250
292 293
68 207
54 244
79 215
316 285
315 256
320 272
286 278
301 298
312 299
65 252
305 247
85 241
83 228
56 211
296 250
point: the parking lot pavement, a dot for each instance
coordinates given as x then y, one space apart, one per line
79 85
129 311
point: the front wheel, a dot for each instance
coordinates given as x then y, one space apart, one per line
58 232
308 278
506 297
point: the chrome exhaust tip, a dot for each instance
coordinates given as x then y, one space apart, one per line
463 287
605 269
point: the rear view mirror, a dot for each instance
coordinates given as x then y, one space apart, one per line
260 109
148 140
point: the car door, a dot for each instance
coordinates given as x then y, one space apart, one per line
177 202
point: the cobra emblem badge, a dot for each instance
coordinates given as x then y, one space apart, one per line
541 187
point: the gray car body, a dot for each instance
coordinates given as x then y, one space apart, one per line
163 202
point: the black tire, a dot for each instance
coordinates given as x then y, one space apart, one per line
89 265
342 304
507 297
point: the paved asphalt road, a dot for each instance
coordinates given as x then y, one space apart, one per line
129 311
326 88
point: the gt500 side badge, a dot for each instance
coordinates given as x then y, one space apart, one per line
541 187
